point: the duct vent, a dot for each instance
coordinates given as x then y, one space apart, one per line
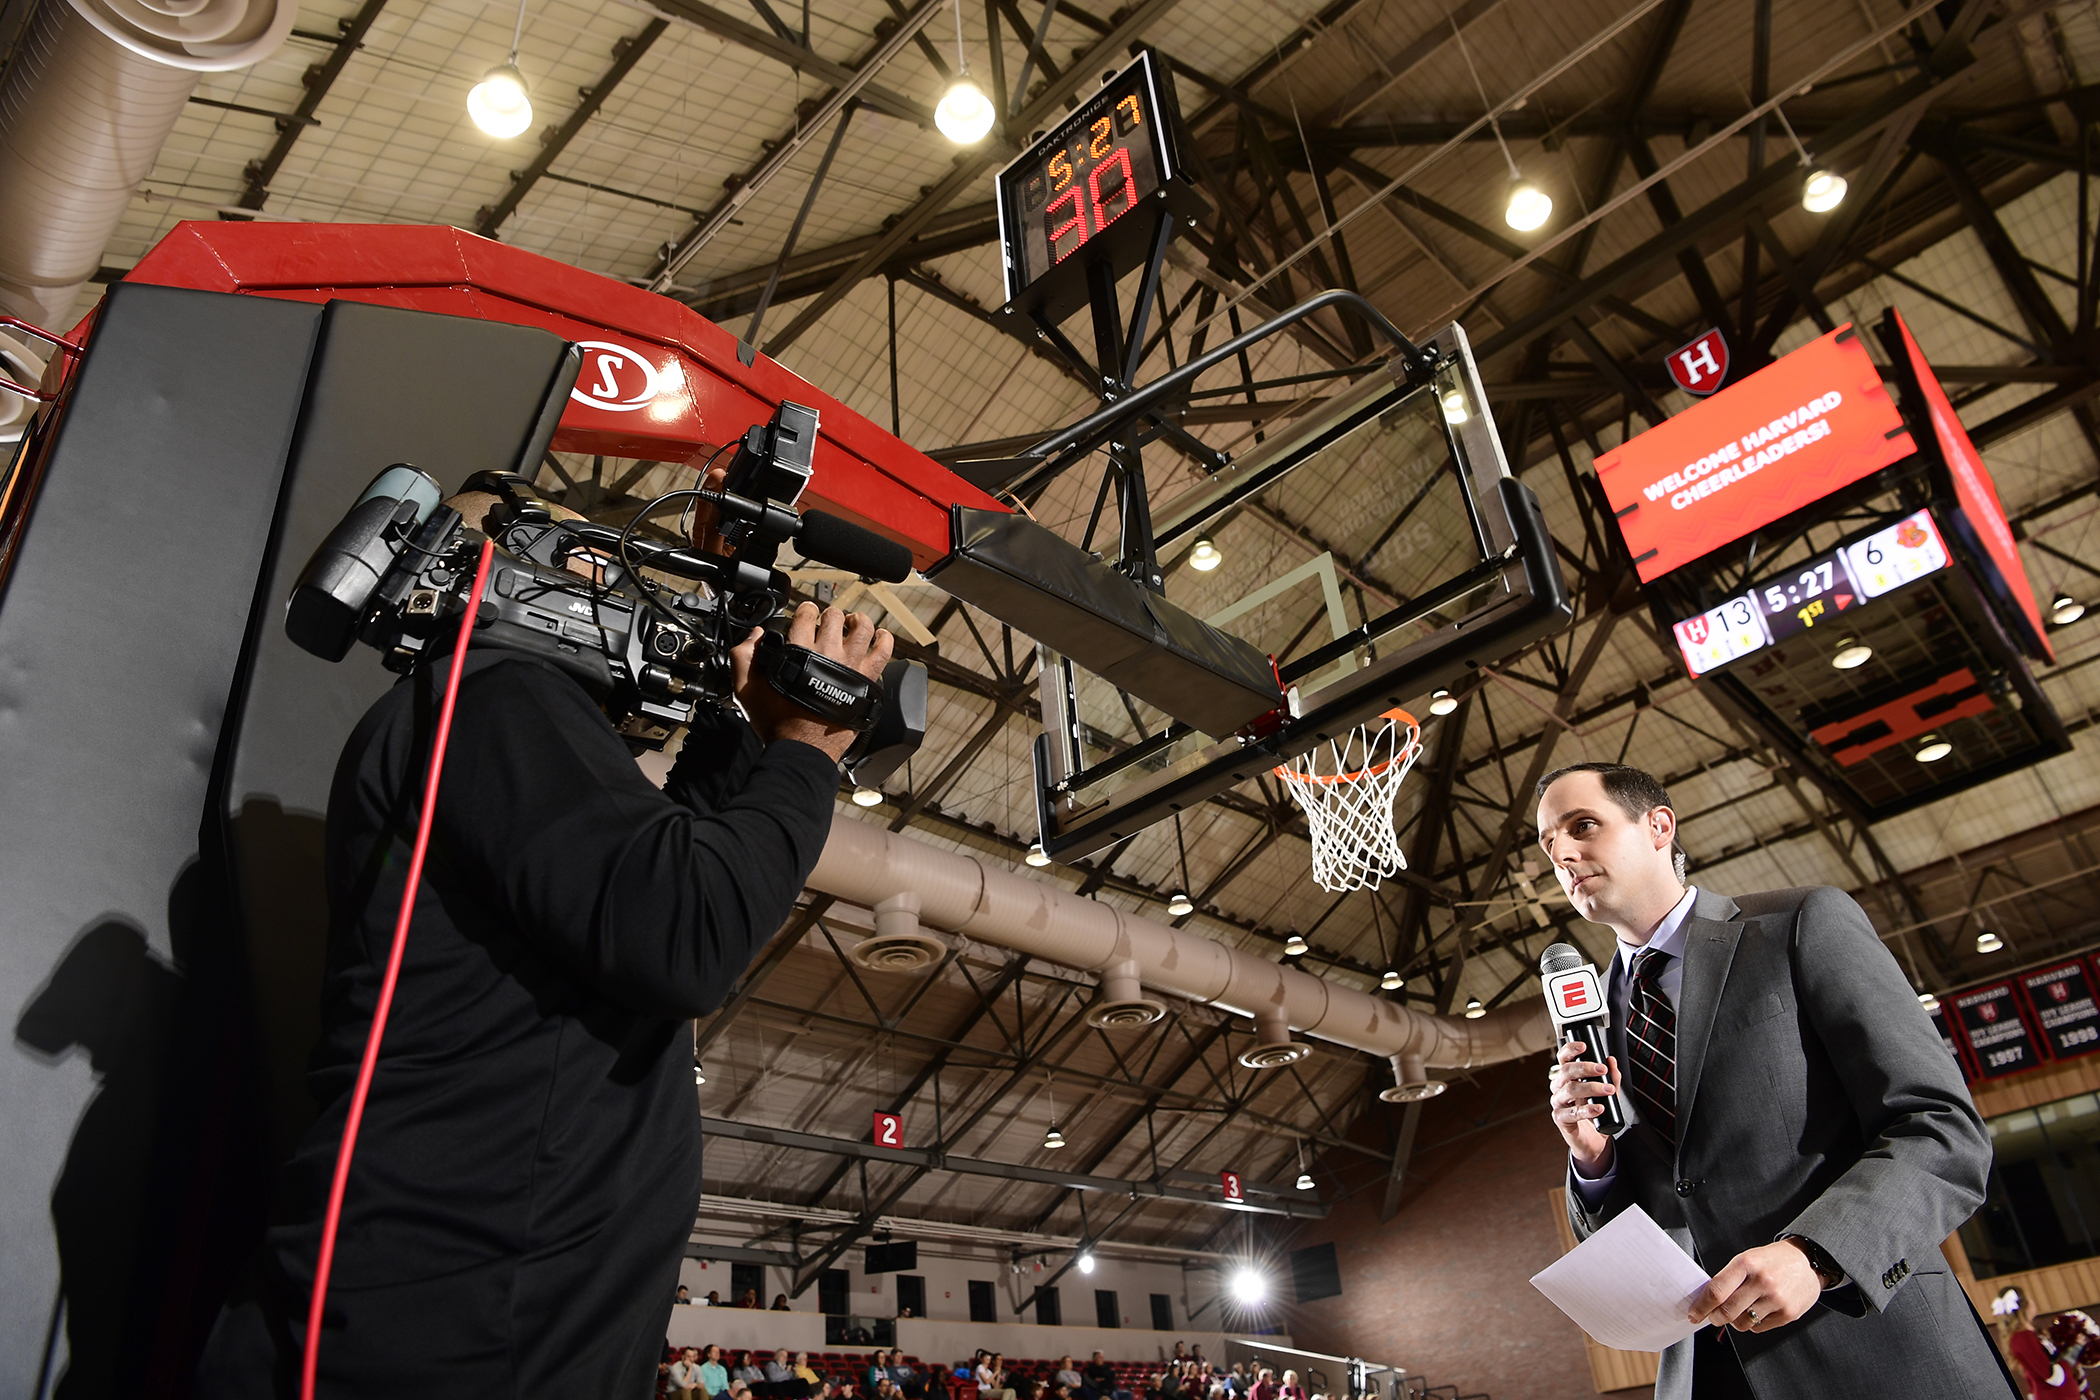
1125 1015
1413 1092
899 952
1275 1056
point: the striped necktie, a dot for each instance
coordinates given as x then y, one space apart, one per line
1651 1045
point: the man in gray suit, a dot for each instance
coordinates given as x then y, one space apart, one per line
1797 1125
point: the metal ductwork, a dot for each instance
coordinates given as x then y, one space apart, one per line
868 865
85 106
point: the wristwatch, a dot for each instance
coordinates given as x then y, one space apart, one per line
1828 1273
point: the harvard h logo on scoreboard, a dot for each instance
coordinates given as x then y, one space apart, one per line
1574 996
1699 368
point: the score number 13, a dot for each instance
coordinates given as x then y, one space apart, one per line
1096 204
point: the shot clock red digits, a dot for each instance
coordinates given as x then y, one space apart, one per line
1076 212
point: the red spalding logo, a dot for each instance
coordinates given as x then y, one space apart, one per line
1699 368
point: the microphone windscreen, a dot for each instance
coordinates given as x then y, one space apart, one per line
1560 957
844 545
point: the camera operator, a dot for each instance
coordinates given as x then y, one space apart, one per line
528 1169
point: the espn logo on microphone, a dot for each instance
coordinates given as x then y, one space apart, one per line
1574 996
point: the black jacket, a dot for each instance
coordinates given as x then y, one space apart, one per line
529 1165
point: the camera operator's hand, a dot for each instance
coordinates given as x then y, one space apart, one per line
851 638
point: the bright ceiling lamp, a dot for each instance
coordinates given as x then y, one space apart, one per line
1053 1139
1852 655
965 113
867 797
1037 856
2065 610
1248 1286
1928 1001
1295 946
1933 749
1085 1261
1988 942
1204 555
1180 905
699 1074
499 103
1305 1181
1474 1010
1821 190
1454 402
1392 981
1442 703
1529 206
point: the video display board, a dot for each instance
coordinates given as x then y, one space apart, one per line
1795 431
1981 513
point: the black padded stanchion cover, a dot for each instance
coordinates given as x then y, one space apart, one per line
120 630
167 755
1130 636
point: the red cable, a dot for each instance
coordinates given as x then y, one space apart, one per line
386 987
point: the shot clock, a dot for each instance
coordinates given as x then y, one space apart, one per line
1090 191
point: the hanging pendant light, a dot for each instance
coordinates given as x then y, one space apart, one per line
1988 942
499 103
1179 904
1392 981
1037 856
1528 206
1821 190
1305 1181
1052 1139
1295 946
1443 702
865 796
1474 1010
1204 555
965 113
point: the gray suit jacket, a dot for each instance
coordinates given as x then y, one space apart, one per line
1814 1098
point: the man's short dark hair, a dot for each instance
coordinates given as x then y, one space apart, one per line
1636 791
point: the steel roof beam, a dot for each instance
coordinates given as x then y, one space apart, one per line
710 20
318 79
929 1160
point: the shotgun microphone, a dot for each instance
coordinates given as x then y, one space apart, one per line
1575 1000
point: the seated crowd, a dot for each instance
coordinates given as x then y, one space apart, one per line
697 1373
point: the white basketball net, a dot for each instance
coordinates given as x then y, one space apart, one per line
1347 790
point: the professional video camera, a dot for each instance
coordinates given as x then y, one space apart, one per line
574 593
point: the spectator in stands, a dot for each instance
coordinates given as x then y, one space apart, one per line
750 1299
1167 1383
685 1375
878 1369
714 1299
1100 1380
1067 1377
683 1295
937 1387
992 1380
899 1373
749 1371
739 1388
1264 1387
663 1380
1239 1381
1181 1352
780 1303
1290 1389
1196 1355
780 1377
806 1374
714 1378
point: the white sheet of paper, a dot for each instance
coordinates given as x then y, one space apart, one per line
1628 1285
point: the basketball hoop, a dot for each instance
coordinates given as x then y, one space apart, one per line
1347 790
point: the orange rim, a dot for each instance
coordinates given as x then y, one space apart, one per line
1289 775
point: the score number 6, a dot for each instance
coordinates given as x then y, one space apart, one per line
1102 218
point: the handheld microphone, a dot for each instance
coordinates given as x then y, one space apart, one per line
1575 1000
